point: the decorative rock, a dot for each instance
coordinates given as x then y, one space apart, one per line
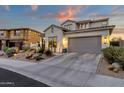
116 70
110 67
116 65
34 56
1 53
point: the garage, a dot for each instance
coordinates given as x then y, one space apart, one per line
85 44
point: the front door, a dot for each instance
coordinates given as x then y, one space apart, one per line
52 44
19 45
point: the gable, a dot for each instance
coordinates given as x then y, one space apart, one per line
53 30
71 25
71 21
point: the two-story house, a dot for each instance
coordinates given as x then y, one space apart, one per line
79 36
19 37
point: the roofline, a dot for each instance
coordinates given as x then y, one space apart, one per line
91 21
20 29
57 27
84 21
110 28
69 20
98 20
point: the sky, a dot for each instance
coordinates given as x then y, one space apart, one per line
39 17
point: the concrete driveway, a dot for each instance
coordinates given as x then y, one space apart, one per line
66 70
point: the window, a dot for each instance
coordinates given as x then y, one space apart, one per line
52 30
52 43
1 33
104 23
69 26
17 33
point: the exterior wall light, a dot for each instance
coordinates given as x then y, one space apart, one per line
105 40
44 38
64 43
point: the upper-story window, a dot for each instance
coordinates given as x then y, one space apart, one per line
84 26
99 24
1 33
17 33
52 30
68 26
104 23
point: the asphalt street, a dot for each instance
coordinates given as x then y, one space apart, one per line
12 79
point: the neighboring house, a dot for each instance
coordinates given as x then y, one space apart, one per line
19 37
79 36
117 38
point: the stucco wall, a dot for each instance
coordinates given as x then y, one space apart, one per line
20 36
33 37
62 39
56 32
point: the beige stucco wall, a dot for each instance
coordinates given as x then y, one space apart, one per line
62 38
58 33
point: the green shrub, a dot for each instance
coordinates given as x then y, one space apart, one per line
114 54
25 48
48 52
38 58
64 50
108 53
10 52
5 49
41 50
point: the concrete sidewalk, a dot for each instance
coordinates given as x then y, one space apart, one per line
67 70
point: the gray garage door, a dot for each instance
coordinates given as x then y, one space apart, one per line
85 44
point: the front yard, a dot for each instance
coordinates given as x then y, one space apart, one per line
103 69
112 63
29 55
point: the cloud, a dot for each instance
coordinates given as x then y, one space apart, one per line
69 12
6 7
34 7
97 15
116 11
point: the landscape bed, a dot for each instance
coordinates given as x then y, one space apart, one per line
29 55
112 63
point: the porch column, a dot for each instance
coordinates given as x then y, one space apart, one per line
3 44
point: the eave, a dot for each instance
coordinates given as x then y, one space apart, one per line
110 28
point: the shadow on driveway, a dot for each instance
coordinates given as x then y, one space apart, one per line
12 79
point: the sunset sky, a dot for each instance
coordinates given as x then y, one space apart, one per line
40 17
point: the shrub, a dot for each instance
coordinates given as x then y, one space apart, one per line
10 52
25 48
114 54
5 49
109 54
38 58
64 50
41 50
48 52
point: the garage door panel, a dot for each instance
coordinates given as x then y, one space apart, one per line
85 44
